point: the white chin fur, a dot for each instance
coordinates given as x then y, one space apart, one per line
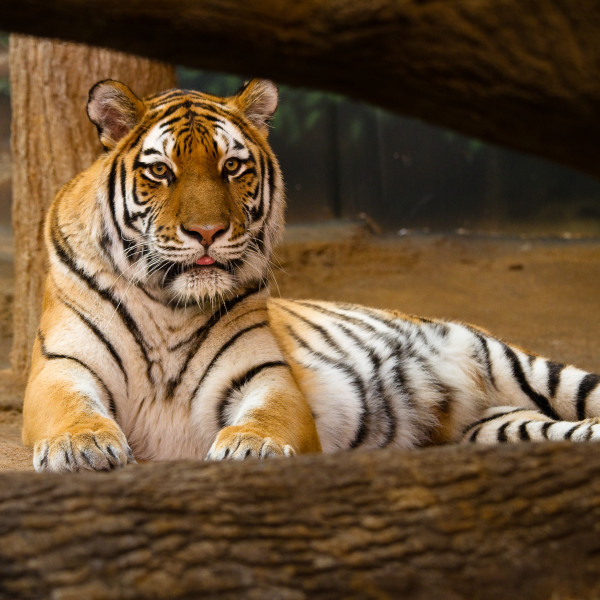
205 284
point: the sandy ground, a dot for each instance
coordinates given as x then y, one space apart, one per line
539 293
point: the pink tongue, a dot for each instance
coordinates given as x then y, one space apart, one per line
205 260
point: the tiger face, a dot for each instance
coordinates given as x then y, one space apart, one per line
195 195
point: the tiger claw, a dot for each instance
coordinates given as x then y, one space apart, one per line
99 450
234 444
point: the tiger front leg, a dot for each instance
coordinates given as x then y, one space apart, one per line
66 422
270 417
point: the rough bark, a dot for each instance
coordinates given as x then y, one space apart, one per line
523 73
52 140
508 522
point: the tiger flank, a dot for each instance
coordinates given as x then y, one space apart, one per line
158 339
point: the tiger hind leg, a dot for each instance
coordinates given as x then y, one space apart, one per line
509 424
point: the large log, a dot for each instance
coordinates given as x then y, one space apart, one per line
522 73
455 522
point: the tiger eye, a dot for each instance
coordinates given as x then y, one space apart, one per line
159 169
232 165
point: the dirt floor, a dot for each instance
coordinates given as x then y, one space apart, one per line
539 293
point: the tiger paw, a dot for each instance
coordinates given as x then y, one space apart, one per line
93 450
238 444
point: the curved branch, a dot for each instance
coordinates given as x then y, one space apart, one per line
454 522
522 73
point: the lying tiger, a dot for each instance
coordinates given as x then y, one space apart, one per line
158 339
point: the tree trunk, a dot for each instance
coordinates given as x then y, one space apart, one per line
53 140
523 73
455 522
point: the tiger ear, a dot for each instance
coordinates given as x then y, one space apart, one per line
115 110
258 101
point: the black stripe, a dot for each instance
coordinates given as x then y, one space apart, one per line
385 336
397 324
400 381
163 97
112 187
538 399
523 433
237 245
240 382
54 356
143 130
318 328
441 328
586 386
554 372
126 243
127 216
260 209
501 433
473 436
221 351
545 428
134 194
571 431
173 120
491 418
44 461
271 181
111 349
486 355
184 104
105 246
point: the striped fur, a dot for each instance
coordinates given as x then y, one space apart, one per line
158 339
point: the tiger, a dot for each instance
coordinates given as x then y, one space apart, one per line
159 339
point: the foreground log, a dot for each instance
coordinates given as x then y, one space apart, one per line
522 73
455 522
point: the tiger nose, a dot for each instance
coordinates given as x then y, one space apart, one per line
206 233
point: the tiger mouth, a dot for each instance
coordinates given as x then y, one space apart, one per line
194 267
175 269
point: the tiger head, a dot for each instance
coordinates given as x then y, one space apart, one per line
194 195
